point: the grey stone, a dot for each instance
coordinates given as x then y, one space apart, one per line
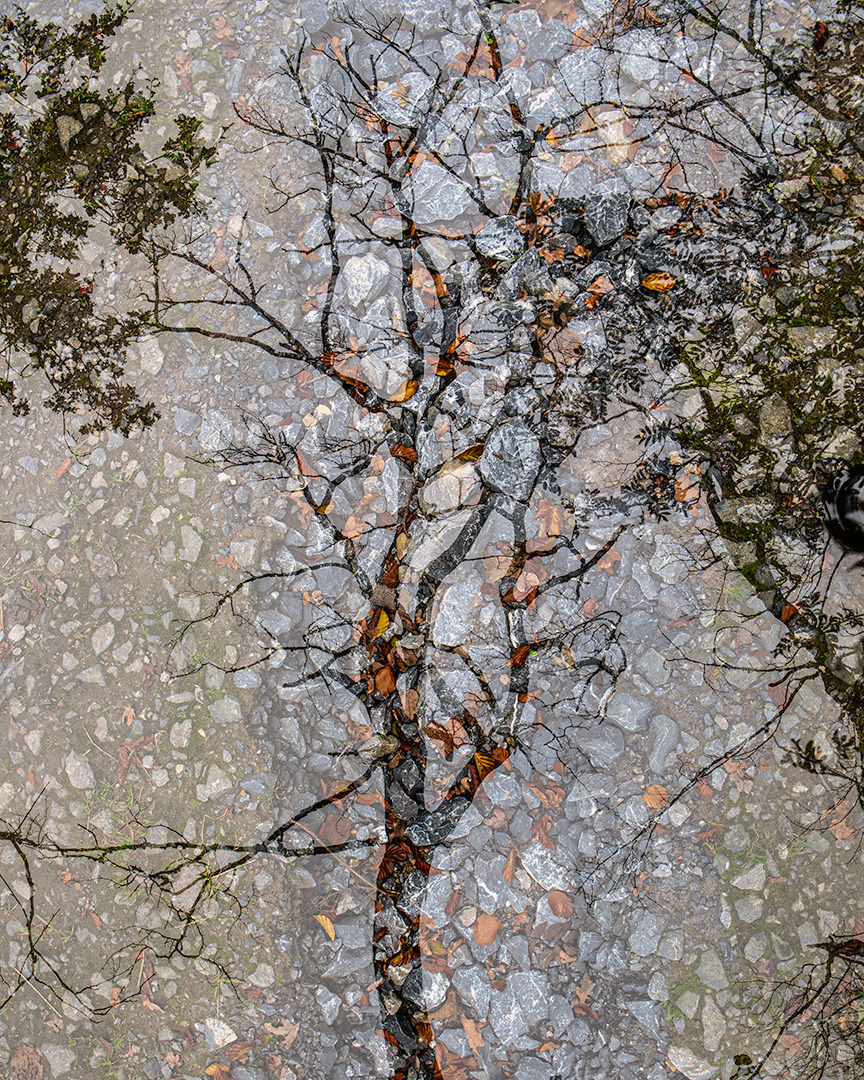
657 988
511 459
226 710
663 738
628 712
647 1014
329 1004
646 933
751 879
186 422
473 988
60 1058
515 1010
713 1024
500 239
603 743
438 196
711 971
686 1062
217 430
606 209
749 908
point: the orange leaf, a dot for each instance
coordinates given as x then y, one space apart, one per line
510 866
560 903
486 928
705 789
66 465
218 1071
329 929
406 391
659 281
608 561
788 610
597 289
655 797
407 453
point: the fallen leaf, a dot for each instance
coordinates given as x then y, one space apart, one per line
510 866
286 1030
407 453
239 1051
128 715
560 903
67 463
838 826
788 610
472 1033
218 1071
705 788
519 656
596 290
821 33
655 797
328 926
608 561
152 1006
659 281
486 928
452 905
385 681
406 391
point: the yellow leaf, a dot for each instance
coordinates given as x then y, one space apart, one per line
656 796
383 623
328 926
659 281
407 390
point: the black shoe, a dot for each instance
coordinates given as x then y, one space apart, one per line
843 506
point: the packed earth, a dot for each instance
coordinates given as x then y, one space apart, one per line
422 652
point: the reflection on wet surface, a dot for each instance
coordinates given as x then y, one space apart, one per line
454 680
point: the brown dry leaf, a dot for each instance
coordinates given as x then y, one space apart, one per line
597 290
97 922
788 611
218 1071
67 464
510 866
172 1059
354 527
519 656
659 281
406 391
128 715
838 826
239 1051
655 797
410 702
286 1030
26 1063
560 903
608 561
329 929
452 905
152 1006
472 1034
705 788
385 681
486 928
